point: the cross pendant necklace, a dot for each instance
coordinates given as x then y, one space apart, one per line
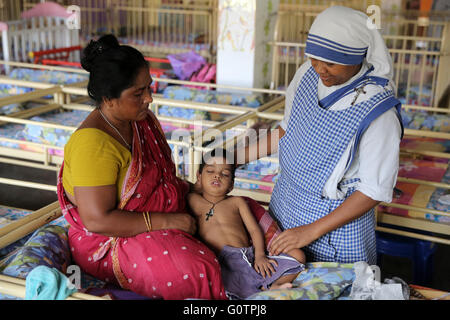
358 92
210 213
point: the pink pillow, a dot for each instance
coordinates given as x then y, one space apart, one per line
269 226
46 9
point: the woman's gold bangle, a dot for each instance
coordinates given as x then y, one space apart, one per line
148 222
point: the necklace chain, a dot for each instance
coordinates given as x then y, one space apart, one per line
210 213
117 130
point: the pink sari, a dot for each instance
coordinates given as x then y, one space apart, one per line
168 264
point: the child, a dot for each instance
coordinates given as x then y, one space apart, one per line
225 224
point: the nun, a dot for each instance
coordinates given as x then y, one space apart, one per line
338 143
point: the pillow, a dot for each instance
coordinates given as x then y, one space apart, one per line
47 246
268 225
319 281
47 76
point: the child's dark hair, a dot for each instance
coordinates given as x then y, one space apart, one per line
219 153
113 67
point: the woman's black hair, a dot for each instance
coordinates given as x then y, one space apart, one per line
113 67
219 153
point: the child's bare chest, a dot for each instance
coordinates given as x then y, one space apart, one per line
223 212
222 218
222 226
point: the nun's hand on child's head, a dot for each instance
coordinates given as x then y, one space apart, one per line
289 239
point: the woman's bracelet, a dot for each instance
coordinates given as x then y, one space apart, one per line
147 220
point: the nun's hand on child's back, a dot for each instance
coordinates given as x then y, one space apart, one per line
289 239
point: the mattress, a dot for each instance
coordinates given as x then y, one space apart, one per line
205 96
416 95
35 75
423 120
422 196
260 170
39 134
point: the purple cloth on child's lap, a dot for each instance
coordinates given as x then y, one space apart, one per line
239 277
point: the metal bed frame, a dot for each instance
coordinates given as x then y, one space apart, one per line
420 48
144 22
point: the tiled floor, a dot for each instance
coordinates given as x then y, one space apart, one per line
34 199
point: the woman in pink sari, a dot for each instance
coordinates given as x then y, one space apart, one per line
119 192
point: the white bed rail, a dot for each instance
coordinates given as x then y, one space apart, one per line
155 27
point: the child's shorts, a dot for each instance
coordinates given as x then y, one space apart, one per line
241 280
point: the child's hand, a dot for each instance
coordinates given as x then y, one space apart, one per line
264 265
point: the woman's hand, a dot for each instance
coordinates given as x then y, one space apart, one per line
181 221
298 237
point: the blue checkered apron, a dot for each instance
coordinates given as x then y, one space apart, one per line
314 142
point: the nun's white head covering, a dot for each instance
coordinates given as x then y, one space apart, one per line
341 35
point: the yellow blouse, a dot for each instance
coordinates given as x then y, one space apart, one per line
94 158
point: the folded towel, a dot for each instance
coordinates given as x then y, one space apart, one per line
44 283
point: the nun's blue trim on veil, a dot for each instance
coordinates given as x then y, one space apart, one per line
342 35
331 50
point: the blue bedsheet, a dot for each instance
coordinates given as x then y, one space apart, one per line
205 96
423 120
42 76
